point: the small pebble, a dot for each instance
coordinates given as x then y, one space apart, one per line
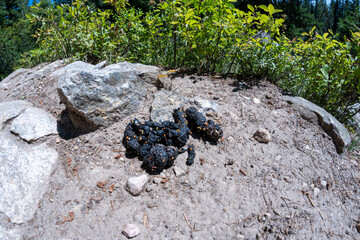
230 139
262 135
179 171
274 182
57 140
256 100
316 191
136 185
239 236
130 230
323 183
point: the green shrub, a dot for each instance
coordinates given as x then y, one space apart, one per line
208 36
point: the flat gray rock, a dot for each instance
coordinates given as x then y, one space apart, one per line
24 173
10 110
102 96
331 125
164 104
33 124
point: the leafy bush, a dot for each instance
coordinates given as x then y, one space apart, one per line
324 72
208 36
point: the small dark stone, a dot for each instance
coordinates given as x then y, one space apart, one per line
358 227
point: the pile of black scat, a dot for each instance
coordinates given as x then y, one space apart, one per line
158 144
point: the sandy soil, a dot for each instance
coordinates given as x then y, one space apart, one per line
294 187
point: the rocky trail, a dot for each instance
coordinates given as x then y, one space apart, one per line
281 170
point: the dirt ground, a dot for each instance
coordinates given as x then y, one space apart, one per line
294 187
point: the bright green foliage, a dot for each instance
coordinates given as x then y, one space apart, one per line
78 31
205 35
324 72
208 36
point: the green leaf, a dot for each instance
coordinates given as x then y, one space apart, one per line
265 8
251 8
271 9
312 30
191 22
325 71
279 21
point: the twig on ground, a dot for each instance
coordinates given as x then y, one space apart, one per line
97 151
243 172
323 216
187 221
146 221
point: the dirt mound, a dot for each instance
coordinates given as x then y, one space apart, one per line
293 187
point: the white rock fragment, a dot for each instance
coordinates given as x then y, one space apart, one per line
230 139
136 185
323 183
262 136
316 191
130 230
274 181
179 171
256 100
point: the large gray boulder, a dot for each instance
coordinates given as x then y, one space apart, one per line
99 97
33 124
24 173
331 125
